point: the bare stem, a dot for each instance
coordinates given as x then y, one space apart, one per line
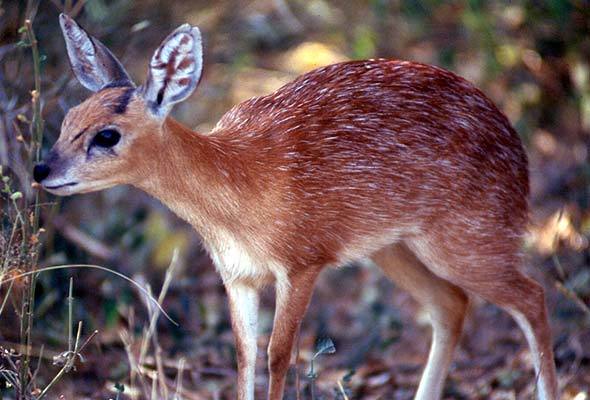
37 122
69 363
70 314
36 139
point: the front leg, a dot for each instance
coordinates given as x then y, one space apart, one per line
243 306
292 300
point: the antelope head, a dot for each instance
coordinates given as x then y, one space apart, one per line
113 136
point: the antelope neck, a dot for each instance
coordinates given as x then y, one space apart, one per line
195 175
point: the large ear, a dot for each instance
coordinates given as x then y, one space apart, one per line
93 64
174 70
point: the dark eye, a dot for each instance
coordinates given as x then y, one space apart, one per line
106 138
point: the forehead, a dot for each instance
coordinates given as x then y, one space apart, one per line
100 108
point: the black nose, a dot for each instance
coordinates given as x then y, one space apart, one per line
40 172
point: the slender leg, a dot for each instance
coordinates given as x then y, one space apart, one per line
524 299
445 303
534 323
243 305
497 279
291 303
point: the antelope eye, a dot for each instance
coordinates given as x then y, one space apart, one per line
106 138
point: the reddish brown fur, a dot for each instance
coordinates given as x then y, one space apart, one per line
397 142
339 165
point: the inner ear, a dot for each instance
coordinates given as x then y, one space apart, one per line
174 70
92 63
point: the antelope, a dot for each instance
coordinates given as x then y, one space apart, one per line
401 163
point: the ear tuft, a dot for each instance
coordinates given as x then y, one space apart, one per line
174 70
92 63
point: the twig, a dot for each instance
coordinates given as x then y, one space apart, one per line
69 364
342 390
151 333
6 297
154 394
570 294
36 372
573 296
77 8
70 314
36 140
92 335
83 240
37 122
180 372
74 348
41 353
136 370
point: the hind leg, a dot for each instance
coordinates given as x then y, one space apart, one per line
446 304
532 320
496 278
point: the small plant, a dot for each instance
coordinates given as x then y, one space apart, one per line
323 346
67 359
11 361
20 229
120 388
20 243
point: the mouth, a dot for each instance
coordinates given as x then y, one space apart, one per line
60 186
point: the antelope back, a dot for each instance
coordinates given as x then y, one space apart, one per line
367 152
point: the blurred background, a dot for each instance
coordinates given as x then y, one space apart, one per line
532 58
